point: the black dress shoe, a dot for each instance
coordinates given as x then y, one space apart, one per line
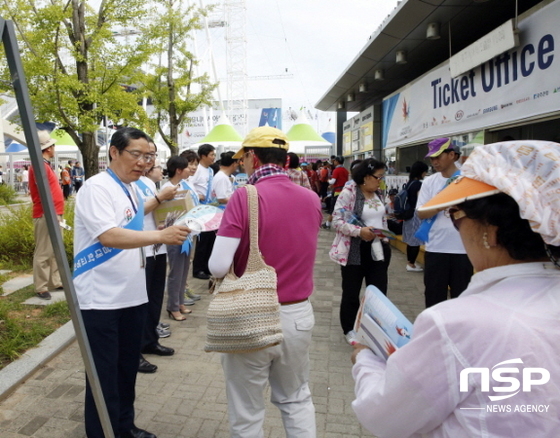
137 433
44 295
201 275
146 367
158 349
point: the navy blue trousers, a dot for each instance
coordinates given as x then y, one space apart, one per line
156 268
115 338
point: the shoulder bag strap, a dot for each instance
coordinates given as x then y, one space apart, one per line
255 260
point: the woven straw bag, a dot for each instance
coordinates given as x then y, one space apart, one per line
244 314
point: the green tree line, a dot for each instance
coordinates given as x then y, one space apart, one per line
81 70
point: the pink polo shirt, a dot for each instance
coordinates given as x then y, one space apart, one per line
289 221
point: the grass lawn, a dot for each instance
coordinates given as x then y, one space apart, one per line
23 326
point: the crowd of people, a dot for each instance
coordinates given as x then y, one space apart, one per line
491 217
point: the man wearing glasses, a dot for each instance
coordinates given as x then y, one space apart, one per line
447 267
110 280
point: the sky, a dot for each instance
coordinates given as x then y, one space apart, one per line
313 40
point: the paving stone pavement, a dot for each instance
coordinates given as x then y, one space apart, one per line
186 396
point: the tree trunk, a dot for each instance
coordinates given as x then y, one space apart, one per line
90 154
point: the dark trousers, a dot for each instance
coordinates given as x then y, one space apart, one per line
323 188
77 185
332 202
114 337
203 251
374 273
156 267
66 190
445 272
412 253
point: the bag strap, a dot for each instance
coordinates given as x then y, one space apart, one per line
255 261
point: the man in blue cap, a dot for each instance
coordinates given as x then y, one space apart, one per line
447 267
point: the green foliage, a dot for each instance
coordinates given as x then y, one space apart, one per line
172 85
17 241
76 66
7 194
58 311
23 327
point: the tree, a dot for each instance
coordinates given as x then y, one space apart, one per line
173 87
77 69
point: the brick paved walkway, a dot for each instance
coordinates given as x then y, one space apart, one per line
186 396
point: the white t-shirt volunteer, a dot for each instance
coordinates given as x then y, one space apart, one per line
120 282
222 186
199 181
185 185
149 221
444 237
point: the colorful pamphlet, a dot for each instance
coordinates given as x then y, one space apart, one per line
351 218
380 325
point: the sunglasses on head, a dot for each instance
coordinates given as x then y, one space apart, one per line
456 215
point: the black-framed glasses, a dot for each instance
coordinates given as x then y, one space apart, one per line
456 215
148 158
379 178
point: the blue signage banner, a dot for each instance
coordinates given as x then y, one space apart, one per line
518 84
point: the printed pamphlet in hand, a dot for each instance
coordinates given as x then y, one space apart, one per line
380 325
351 218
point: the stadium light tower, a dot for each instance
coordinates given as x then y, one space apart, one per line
236 60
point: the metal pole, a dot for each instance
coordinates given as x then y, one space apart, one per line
28 123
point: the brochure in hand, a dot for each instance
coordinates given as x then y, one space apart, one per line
380 325
351 218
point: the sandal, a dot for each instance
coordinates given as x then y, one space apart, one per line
176 318
184 310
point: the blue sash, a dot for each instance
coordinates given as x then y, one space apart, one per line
144 188
187 244
96 254
194 196
423 231
208 199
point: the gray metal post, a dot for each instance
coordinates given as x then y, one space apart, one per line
28 122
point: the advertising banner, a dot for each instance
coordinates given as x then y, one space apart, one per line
259 112
358 133
518 84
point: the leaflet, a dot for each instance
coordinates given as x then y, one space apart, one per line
380 325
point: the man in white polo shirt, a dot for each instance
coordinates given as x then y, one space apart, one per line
109 265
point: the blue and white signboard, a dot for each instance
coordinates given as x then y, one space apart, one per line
518 84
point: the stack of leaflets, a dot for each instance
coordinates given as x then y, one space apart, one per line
380 325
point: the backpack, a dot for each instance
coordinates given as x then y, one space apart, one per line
401 206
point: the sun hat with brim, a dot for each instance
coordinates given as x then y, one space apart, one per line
439 146
263 137
528 171
45 139
461 190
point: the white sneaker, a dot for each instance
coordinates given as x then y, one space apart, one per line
351 337
415 269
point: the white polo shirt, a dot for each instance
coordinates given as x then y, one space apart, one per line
149 221
120 282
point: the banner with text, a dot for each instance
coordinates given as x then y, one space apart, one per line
518 84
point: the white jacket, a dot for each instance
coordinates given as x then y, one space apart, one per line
509 312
